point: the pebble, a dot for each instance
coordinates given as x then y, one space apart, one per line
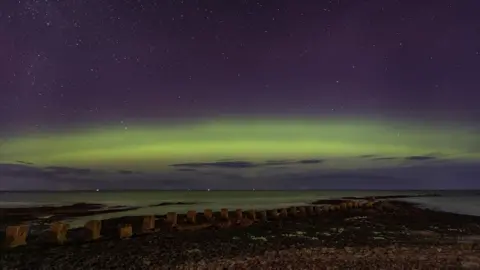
311 244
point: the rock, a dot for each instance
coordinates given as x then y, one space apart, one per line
469 239
424 233
470 265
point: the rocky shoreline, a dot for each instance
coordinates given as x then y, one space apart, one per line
389 235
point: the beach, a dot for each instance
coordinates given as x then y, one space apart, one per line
39 209
389 234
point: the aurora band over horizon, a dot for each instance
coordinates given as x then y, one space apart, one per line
154 146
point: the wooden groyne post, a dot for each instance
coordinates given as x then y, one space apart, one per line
59 231
94 228
148 224
125 231
192 217
171 219
16 236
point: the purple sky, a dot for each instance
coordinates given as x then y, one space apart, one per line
86 62
68 61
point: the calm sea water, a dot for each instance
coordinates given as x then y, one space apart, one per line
465 202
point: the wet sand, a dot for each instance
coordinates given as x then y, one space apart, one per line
390 235
41 217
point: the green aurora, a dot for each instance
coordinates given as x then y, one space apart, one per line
155 146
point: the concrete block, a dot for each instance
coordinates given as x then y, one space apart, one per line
148 224
302 211
350 205
171 219
192 217
125 231
252 215
94 227
292 211
283 213
59 232
208 213
224 214
311 210
239 214
273 214
318 210
263 215
16 236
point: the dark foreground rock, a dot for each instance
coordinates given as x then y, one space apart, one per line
392 257
390 235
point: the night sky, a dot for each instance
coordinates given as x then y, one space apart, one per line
274 94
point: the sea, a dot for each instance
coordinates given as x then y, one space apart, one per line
458 201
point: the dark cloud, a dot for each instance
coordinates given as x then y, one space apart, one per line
409 158
344 180
384 158
420 158
21 170
290 162
433 176
218 164
187 170
24 162
376 157
310 161
358 176
239 164
278 162
26 177
367 156
128 172
280 167
58 170
429 175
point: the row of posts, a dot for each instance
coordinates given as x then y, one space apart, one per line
17 235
